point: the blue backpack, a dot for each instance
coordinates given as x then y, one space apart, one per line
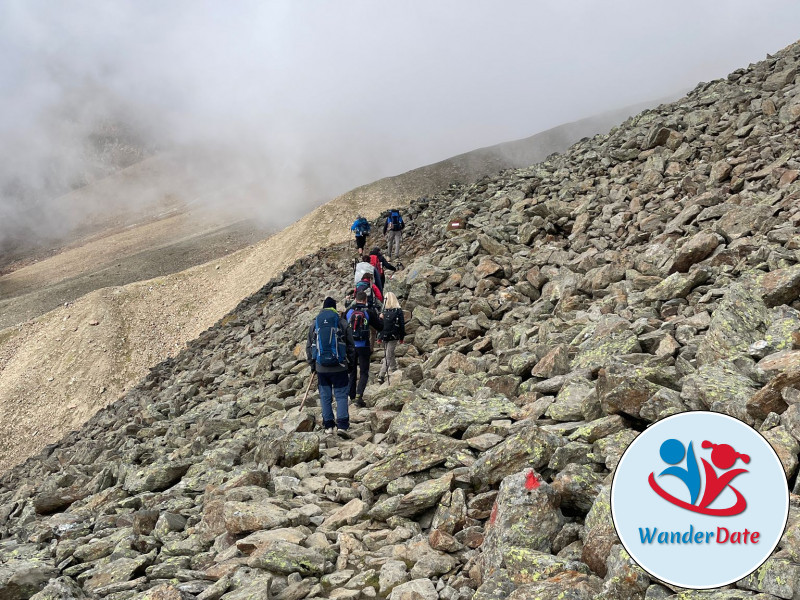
396 221
361 227
328 349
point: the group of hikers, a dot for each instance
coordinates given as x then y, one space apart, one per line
339 345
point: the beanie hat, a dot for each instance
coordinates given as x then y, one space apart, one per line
329 303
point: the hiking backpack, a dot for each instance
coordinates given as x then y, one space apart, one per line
392 324
366 287
359 324
396 221
328 349
376 262
361 227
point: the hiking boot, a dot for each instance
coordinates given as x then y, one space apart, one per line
381 378
344 433
329 431
359 401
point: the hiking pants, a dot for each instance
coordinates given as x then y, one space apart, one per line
334 385
379 277
389 364
359 367
393 238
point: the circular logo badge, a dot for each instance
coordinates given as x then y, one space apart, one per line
699 500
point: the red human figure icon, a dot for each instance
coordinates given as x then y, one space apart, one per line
724 457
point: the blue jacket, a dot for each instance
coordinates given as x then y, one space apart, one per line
361 228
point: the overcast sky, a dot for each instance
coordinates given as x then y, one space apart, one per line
347 91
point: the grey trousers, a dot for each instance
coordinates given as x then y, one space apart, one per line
390 362
393 238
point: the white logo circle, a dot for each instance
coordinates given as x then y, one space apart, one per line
699 500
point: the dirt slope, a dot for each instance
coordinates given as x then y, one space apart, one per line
59 369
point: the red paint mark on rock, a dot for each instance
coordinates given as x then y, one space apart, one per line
531 481
493 516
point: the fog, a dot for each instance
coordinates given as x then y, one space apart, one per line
296 102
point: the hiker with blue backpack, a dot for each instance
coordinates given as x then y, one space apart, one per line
361 228
360 319
331 350
393 230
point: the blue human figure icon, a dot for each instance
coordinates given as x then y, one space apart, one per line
672 452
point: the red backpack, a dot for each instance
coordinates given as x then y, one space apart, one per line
376 262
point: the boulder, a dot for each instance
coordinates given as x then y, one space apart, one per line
21 579
531 447
244 517
781 286
740 320
285 557
418 589
447 415
524 522
416 453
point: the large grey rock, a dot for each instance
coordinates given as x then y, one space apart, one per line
531 447
155 477
416 453
419 589
739 321
285 557
433 413
524 522
21 579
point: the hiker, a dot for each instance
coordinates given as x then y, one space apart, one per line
380 264
393 230
361 269
330 350
394 330
360 319
367 285
361 228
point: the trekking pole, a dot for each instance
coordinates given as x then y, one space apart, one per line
308 387
386 362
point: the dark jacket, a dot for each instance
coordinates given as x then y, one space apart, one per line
385 264
374 319
346 335
388 316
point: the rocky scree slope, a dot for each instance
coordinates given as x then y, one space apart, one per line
58 369
640 274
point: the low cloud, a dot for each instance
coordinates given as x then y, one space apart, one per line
290 103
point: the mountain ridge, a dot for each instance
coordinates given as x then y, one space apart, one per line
140 324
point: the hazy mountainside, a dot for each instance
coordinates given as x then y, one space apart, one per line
651 271
179 209
57 370
37 212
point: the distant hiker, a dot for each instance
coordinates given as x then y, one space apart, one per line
393 230
394 330
380 264
360 318
330 350
361 228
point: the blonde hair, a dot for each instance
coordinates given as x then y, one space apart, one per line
391 301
